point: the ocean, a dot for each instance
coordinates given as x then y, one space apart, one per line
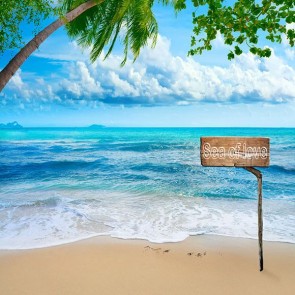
59 185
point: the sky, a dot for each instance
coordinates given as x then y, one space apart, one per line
59 86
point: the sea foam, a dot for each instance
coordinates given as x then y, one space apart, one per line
66 217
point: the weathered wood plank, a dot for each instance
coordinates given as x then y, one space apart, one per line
234 151
258 175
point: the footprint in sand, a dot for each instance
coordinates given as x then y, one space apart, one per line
197 254
156 249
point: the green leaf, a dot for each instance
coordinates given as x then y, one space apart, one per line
267 52
231 56
240 39
289 19
238 50
253 50
254 39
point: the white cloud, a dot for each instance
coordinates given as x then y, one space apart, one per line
16 81
158 77
121 87
290 53
81 83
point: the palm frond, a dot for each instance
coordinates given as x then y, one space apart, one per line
100 26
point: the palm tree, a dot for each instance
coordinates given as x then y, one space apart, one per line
97 23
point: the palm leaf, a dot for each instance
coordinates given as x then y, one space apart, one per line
100 26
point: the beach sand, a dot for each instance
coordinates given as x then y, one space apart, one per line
102 265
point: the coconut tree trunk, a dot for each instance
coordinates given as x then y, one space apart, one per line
29 48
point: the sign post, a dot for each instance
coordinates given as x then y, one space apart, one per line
243 152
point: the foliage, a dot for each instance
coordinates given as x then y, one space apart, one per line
100 27
241 22
14 13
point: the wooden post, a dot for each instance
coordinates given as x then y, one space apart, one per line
258 174
243 152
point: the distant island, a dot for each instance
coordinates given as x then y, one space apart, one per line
95 126
11 125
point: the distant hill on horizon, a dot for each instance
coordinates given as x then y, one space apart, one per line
11 125
96 126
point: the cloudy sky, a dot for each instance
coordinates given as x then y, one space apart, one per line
59 86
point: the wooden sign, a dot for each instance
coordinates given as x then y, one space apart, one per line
244 152
234 151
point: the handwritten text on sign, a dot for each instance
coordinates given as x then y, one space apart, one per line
235 151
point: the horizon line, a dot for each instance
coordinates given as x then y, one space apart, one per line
105 126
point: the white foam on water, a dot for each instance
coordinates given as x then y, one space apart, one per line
52 218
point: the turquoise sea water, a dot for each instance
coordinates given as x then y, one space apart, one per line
64 184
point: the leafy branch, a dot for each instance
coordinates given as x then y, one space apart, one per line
244 22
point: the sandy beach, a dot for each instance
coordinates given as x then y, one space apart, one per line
198 265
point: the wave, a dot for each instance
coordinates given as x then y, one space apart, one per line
144 147
135 177
281 168
170 168
61 219
139 147
49 202
101 165
61 165
229 195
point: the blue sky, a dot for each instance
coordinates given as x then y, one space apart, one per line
58 86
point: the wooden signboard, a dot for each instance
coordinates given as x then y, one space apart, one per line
234 151
244 152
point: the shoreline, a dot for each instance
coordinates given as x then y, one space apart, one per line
101 239
103 265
